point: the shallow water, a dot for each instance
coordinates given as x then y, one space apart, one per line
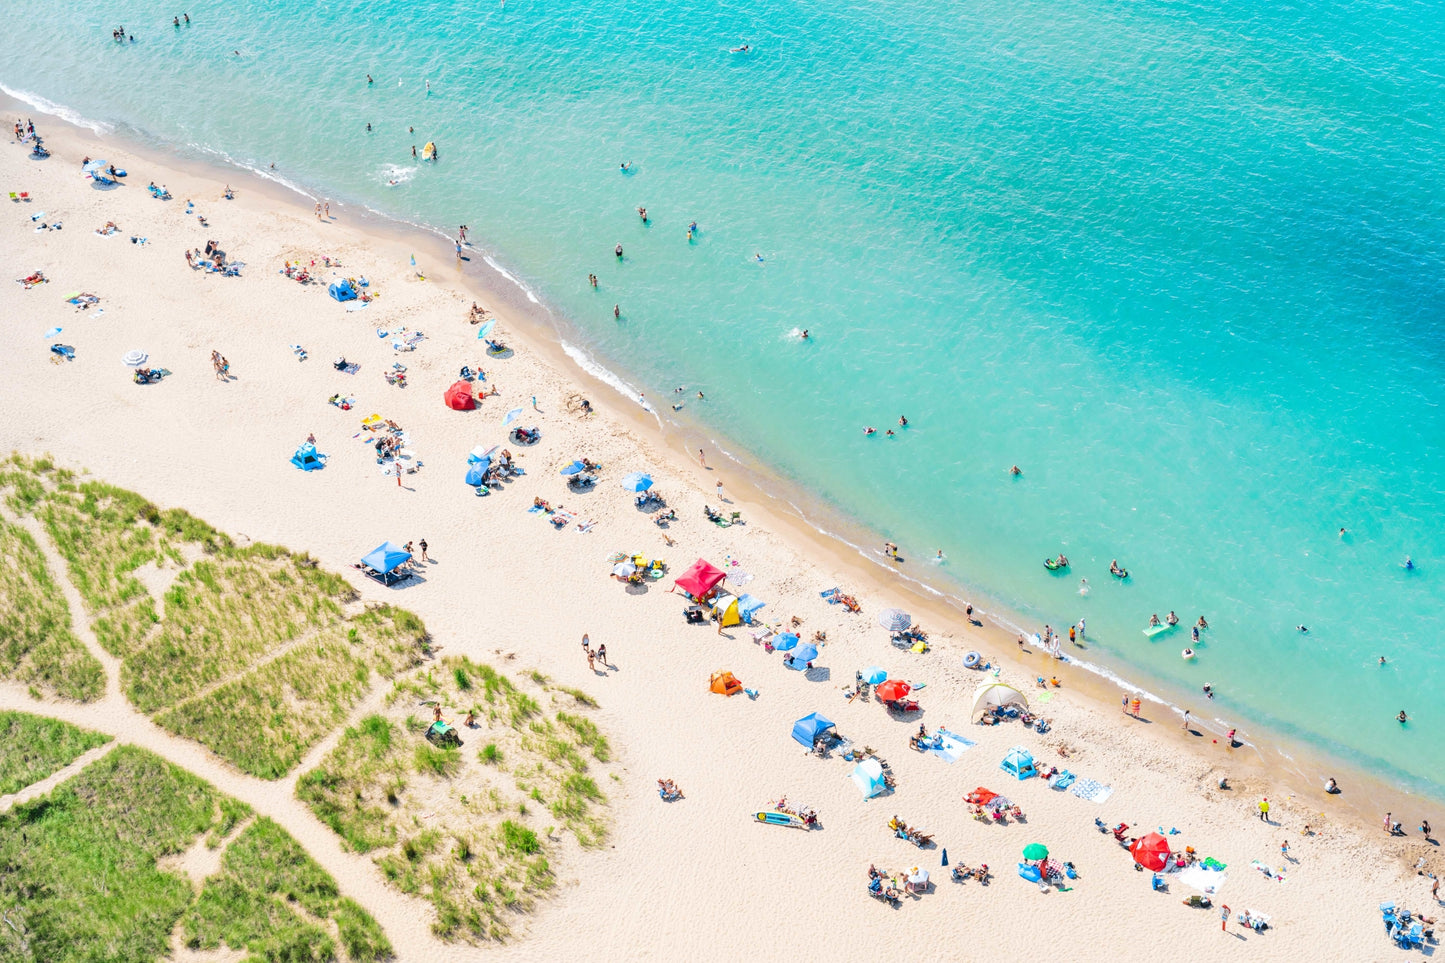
1181 262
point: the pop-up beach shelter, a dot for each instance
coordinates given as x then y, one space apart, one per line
384 560
477 472
342 291
1019 762
991 695
725 683
1151 851
700 579
749 607
810 727
868 777
725 608
307 458
459 396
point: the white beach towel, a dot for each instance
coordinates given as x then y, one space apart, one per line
1208 881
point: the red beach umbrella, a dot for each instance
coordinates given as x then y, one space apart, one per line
1150 851
892 690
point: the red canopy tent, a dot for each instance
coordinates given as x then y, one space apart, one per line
1151 851
459 397
891 691
700 579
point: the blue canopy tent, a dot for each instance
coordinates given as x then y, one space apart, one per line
382 562
307 458
748 607
342 290
1019 762
807 729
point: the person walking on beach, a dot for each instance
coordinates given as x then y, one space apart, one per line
591 664
1186 719
318 210
1284 850
1081 629
1264 809
422 545
701 459
586 644
719 490
602 656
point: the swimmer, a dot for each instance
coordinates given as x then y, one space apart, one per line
1171 618
642 213
1016 471
1342 533
1331 786
741 50
618 251
1154 620
1201 623
678 390
939 557
869 430
1083 586
413 150
368 128
1302 629
692 228
677 407
804 335
758 257
187 16
1194 634
1382 660
889 433
617 311
1402 717
175 21
369 81
1409 565
902 421
699 396
1209 690
624 168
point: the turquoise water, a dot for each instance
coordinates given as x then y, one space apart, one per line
1181 262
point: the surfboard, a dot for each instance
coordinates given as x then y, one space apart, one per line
778 819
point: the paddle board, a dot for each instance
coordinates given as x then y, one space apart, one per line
779 819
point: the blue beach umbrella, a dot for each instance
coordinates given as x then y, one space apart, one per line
806 652
512 416
874 675
52 332
785 642
96 167
478 471
486 329
574 468
637 482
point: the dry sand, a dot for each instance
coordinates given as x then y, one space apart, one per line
696 879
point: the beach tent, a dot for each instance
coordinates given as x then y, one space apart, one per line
868 777
991 695
342 290
1019 762
307 458
477 472
700 579
384 560
481 454
725 608
749 607
459 396
810 727
725 683
892 691
1151 851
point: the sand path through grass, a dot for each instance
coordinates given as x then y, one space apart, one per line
356 875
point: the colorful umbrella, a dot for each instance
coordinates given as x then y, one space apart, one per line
1036 851
574 468
806 652
892 691
874 675
512 416
485 329
1151 851
785 642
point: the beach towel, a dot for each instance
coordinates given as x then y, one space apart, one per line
1207 881
562 519
1091 790
953 746
1277 877
584 527
1043 697
535 509
740 578
1212 863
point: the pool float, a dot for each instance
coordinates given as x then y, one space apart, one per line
779 819
1053 565
1120 574
1160 629
972 660
1187 654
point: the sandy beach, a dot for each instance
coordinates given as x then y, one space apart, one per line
698 878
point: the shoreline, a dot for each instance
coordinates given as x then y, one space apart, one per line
545 332
762 494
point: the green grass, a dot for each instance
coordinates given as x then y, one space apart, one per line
37 643
271 899
33 748
475 858
78 872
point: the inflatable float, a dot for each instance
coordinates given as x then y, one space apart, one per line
1054 565
1119 574
1160 629
972 660
780 819
1187 654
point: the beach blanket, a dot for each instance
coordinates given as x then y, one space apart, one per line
1092 790
740 578
1277 877
1205 880
953 746
1043 697
584 527
538 508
